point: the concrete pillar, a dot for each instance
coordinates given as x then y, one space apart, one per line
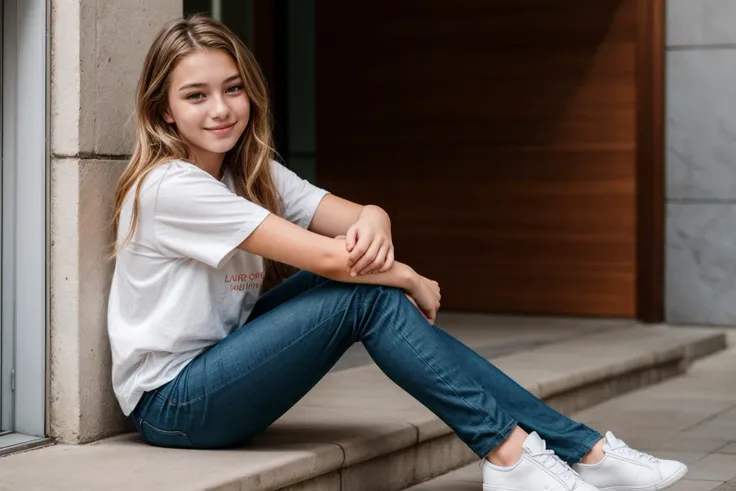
97 50
701 162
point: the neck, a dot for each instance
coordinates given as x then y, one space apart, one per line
209 162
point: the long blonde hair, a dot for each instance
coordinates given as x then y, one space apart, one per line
157 141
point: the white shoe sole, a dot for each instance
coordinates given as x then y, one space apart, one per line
664 484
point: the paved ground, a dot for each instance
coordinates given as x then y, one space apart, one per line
691 418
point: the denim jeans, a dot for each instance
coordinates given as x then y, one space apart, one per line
298 331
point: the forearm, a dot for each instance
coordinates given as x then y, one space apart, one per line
287 243
336 266
399 276
336 215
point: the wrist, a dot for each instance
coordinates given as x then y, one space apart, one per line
410 278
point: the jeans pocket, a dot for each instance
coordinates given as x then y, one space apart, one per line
163 438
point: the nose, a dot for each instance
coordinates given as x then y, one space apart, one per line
220 109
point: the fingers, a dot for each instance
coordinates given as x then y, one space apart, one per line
351 237
434 287
360 248
368 258
433 317
429 315
377 263
411 299
436 290
439 297
389 260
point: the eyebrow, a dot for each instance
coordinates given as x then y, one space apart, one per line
200 84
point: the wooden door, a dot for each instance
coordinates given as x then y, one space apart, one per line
501 138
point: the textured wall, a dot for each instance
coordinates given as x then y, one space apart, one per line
701 162
98 48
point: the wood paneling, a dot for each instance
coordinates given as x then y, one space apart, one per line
501 138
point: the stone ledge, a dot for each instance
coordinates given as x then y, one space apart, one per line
358 431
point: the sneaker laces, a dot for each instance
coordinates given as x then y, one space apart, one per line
628 452
557 466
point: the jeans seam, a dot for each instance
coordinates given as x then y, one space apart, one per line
469 406
162 397
162 431
197 399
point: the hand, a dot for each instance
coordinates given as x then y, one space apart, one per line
431 321
426 296
368 241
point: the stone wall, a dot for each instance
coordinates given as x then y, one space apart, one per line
97 50
701 162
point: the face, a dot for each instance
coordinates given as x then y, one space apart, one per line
208 104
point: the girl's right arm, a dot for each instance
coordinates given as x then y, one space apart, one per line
282 241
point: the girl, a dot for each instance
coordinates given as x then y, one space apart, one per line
201 361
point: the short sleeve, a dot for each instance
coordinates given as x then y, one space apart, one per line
198 217
300 197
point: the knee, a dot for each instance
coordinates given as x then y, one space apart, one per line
379 294
372 295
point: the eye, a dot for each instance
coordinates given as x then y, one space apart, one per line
195 96
234 88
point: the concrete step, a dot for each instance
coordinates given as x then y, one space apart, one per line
358 431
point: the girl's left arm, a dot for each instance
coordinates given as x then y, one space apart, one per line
367 231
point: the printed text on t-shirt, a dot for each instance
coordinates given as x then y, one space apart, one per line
244 281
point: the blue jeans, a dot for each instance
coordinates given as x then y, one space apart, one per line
298 331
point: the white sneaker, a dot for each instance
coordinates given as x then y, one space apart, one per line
538 469
625 469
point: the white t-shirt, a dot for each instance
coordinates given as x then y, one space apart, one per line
181 284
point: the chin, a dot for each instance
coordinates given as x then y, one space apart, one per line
220 147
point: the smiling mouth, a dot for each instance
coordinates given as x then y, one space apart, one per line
221 127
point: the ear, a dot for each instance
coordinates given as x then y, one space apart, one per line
168 117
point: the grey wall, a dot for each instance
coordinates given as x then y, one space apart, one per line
701 162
